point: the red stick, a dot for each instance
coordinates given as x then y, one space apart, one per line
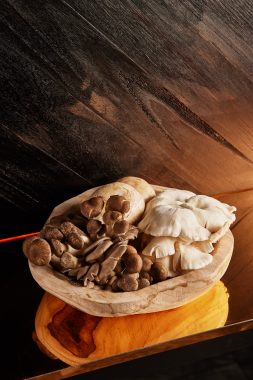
20 237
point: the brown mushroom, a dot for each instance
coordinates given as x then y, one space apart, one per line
146 264
56 264
91 274
131 234
132 261
74 236
143 283
159 271
146 275
58 248
49 233
110 218
120 227
69 261
117 203
91 247
39 252
95 229
99 251
128 282
109 264
82 272
76 241
119 267
27 244
92 207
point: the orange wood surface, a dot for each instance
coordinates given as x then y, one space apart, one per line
76 337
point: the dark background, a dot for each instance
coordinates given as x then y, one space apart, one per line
91 91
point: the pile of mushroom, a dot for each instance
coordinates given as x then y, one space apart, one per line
182 228
122 237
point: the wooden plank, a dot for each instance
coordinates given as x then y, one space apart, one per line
106 89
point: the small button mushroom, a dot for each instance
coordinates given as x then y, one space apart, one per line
58 248
95 228
39 252
131 250
146 264
143 283
56 264
159 271
49 233
132 261
121 227
118 203
146 275
128 282
69 261
111 217
27 244
92 207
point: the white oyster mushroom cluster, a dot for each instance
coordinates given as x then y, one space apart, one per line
184 227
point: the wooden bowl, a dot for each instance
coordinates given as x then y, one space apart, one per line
164 295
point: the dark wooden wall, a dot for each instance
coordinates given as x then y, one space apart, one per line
94 90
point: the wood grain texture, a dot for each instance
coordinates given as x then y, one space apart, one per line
75 337
87 86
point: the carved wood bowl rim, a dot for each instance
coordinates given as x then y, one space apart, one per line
164 295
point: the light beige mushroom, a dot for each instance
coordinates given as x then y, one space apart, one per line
169 196
194 256
160 246
173 221
179 213
213 214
